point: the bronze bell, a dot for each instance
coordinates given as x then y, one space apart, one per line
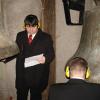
89 47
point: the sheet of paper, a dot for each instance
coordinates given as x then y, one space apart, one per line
32 61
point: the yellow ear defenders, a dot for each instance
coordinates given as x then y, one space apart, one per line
67 72
86 76
87 73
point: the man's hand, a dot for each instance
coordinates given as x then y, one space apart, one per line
41 59
3 60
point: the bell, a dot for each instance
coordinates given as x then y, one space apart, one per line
89 47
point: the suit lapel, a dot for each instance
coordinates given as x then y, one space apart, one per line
37 37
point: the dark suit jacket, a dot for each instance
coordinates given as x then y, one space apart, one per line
34 76
75 89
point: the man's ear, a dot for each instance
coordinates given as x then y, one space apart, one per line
38 24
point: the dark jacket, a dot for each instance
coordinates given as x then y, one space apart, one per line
75 89
34 76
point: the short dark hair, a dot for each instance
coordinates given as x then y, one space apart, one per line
31 20
77 61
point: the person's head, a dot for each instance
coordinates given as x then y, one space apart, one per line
31 24
77 68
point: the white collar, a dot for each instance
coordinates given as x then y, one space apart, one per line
77 78
33 35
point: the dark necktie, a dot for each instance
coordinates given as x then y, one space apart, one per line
30 39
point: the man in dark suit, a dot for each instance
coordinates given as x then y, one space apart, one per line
76 88
32 42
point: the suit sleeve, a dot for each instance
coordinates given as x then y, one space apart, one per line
49 50
19 41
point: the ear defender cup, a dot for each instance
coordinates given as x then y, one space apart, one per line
67 72
86 76
87 73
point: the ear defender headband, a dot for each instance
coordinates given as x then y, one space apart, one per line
34 25
87 75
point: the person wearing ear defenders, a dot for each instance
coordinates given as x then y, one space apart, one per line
32 74
76 88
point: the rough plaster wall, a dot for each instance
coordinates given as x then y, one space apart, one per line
89 4
13 16
19 9
67 39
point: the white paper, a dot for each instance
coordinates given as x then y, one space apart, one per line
31 61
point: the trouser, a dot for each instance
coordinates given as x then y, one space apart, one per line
22 94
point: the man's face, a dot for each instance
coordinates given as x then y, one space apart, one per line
31 29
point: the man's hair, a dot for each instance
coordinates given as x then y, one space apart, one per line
31 20
77 62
